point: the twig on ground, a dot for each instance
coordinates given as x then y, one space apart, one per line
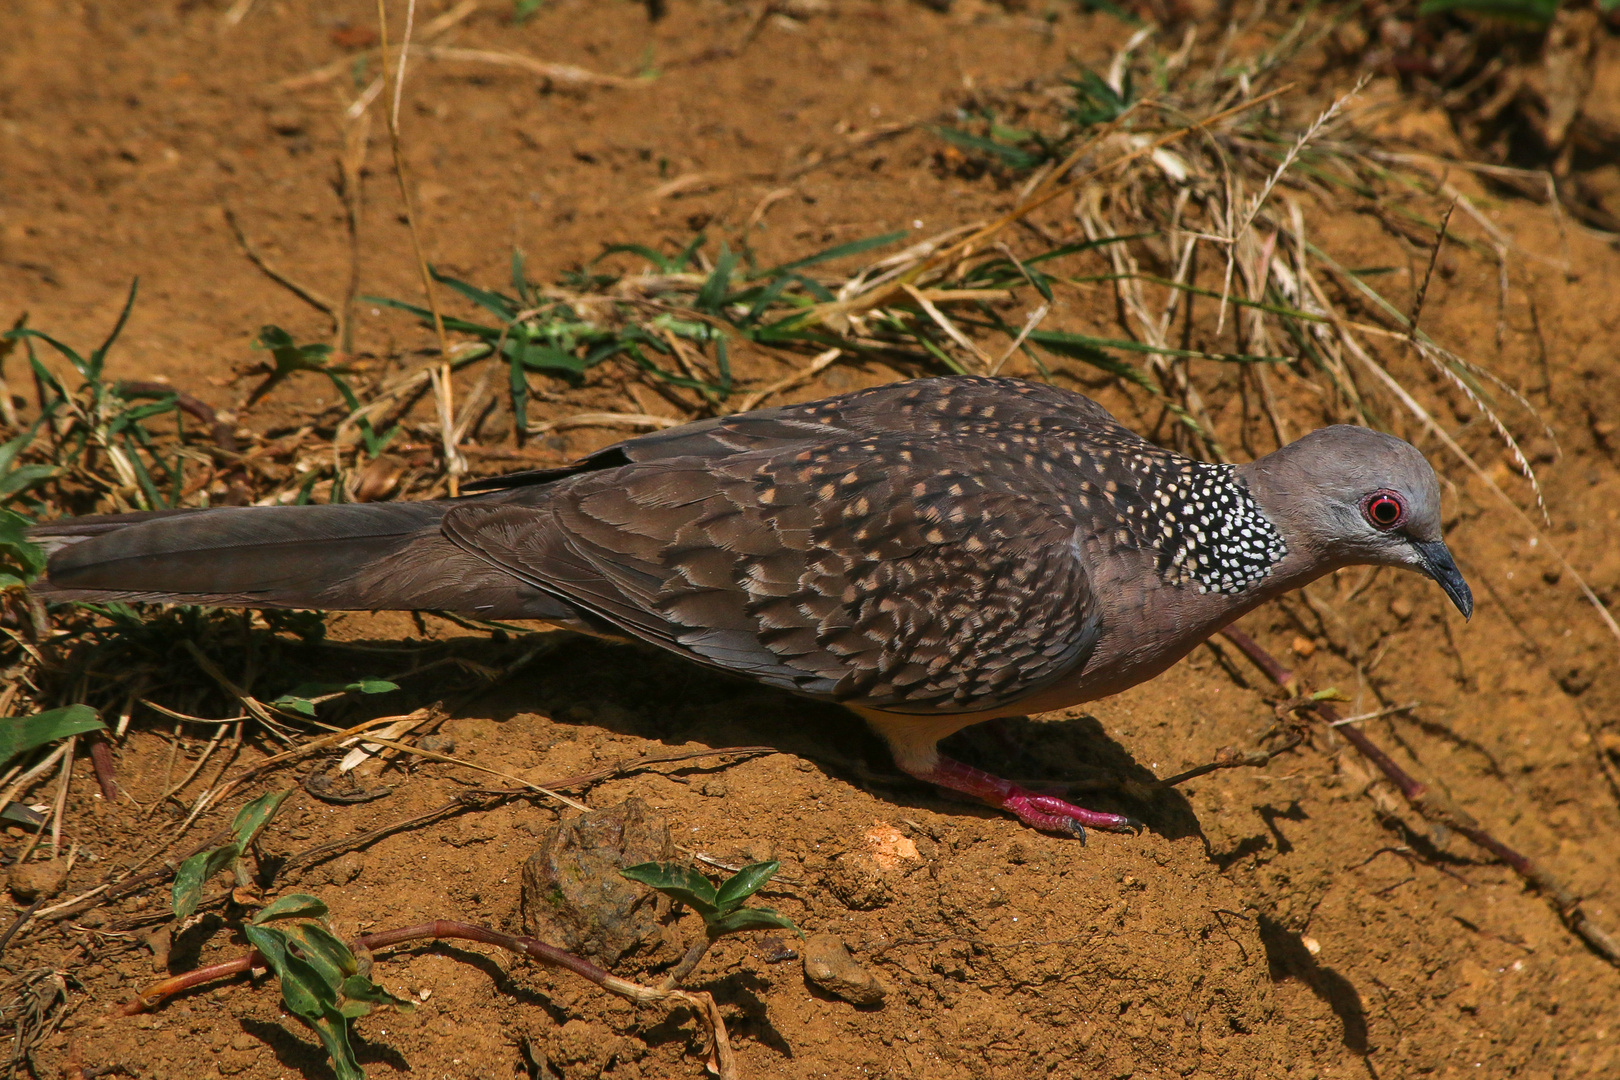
306 293
1436 807
821 362
486 798
1230 757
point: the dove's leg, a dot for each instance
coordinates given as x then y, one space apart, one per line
914 742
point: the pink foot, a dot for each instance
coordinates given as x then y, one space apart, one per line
1034 809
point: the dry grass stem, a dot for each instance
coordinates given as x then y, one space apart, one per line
821 362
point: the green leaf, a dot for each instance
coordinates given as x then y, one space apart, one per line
503 307
298 699
291 906
18 735
749 918
718 283
360 994
309 997
745 883
321 949
289 703
1011 156
320 977
288 355
194 873
678 881
252 818
21 560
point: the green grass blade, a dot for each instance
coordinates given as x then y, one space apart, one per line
99 356
718 284
79 363
1013 157
854 247
664 264
497 304
1538 12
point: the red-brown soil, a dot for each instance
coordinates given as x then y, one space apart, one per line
1294 921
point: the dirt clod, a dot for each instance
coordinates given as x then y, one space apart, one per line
827 964
574 896
31 881
345 868
857 881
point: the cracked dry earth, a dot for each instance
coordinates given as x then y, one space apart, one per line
1295 921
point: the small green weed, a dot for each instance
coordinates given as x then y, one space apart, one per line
195 872
720 908
99 420
321 979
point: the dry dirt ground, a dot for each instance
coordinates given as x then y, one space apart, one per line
1293 921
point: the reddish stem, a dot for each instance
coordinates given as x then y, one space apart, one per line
1436 807
101 761
721 1060
537 950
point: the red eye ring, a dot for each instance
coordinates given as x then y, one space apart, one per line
1383 510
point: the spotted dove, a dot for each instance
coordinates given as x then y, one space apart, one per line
930 553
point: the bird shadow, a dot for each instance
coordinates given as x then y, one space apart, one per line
639 691
1288 957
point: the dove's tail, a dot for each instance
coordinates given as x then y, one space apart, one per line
354 557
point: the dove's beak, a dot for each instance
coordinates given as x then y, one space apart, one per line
1436 561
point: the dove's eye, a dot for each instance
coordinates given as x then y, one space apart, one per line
1383 510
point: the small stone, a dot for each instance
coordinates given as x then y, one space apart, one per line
31 881
1401 608
773 950
344 869
438 744
827 964
1303 646
287 122
890 847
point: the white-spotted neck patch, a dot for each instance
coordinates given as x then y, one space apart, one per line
1206 527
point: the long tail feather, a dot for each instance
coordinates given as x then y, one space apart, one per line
352 557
